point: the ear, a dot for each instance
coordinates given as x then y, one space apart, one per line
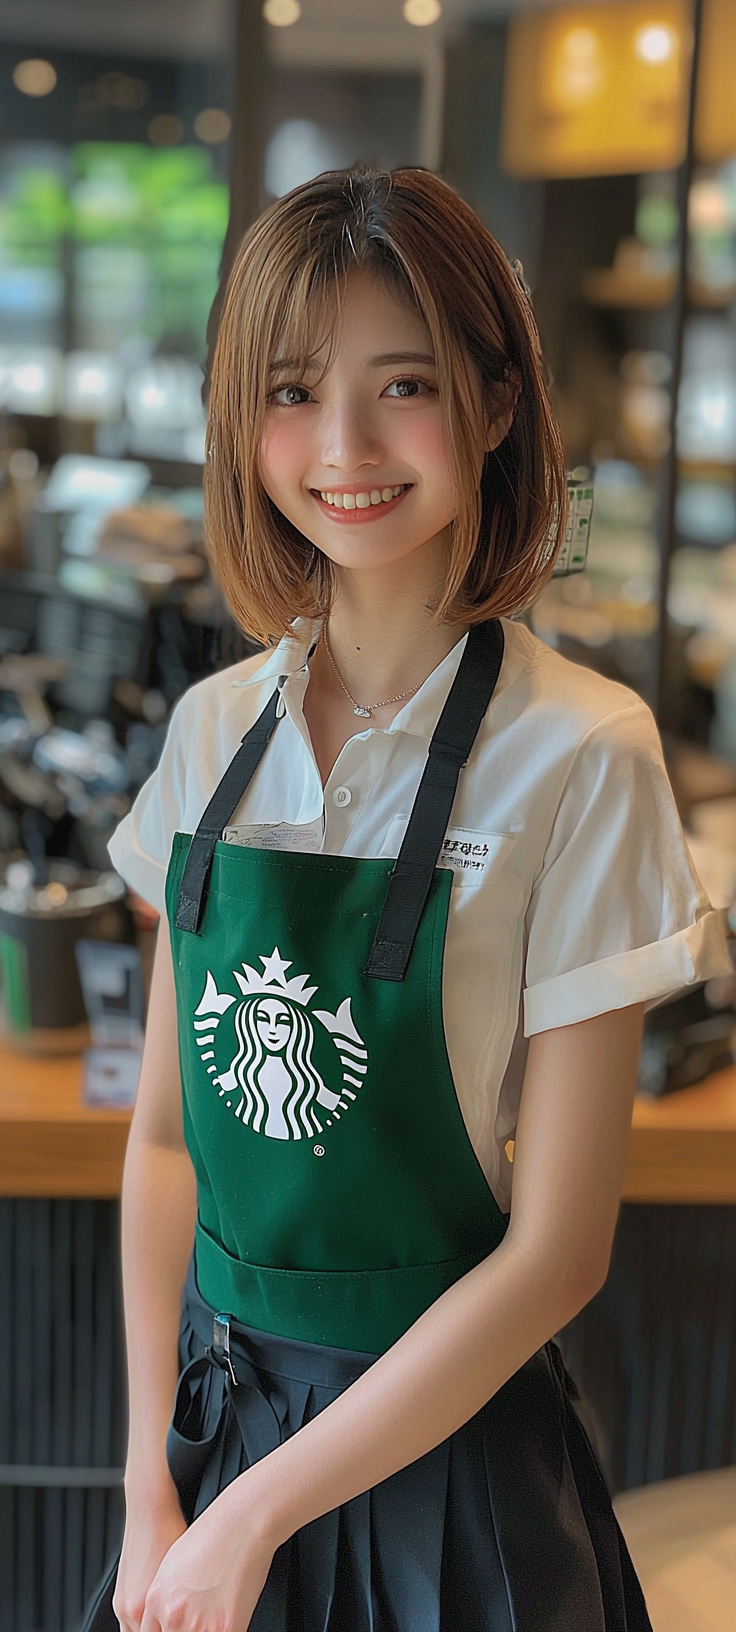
500 416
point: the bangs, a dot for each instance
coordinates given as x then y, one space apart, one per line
305 322
307 314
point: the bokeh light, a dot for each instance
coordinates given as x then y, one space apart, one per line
212 125
282 13
420 13
34 76
654 43
165 130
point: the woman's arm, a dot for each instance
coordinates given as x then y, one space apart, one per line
569 1162
158 1227
570 1156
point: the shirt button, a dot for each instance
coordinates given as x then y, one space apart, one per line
341 796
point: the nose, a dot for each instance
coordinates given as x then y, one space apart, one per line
349 440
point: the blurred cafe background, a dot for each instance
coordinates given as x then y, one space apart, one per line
598 142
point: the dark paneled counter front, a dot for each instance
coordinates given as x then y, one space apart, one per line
654 1354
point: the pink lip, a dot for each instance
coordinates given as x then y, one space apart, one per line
350 518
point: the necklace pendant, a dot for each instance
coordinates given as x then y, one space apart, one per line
363 713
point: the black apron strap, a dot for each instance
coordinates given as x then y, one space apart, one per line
451 745
225 799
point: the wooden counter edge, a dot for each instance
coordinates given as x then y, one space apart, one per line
85 1159
682 1150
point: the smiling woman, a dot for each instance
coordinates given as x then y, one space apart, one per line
373 1436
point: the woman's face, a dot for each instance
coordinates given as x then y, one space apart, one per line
357 458
273 1023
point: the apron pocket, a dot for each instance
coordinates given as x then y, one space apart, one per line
364 1310
198 1410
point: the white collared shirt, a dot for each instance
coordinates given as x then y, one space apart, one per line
573 893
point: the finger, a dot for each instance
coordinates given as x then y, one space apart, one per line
128 1619
150 1622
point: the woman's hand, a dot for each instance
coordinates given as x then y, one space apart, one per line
149 1533
212 1577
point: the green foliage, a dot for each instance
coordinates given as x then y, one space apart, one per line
166 203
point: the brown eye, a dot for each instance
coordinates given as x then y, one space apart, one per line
290 396
407 388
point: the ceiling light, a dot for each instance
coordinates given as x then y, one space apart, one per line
579 71
580 45
212 125
298 150
165 392
165 130
92 387
282 13
655 43
34 77
422 12
29 379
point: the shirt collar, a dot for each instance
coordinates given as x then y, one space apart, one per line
289 657
420 713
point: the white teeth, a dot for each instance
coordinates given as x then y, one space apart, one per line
360 501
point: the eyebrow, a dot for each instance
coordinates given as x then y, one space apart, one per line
387 359
281 363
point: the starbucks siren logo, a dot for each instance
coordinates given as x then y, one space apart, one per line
272 1076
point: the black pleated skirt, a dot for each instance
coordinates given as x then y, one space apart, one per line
505 1527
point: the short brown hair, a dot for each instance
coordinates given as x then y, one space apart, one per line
411 228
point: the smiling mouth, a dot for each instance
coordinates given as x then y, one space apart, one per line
366 505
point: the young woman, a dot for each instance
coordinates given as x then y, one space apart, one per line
421 876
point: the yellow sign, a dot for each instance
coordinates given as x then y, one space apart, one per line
715 112
597 89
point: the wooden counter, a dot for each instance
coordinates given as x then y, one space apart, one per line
50 1143
683 1147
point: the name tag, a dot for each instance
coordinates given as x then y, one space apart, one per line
470 854
306 836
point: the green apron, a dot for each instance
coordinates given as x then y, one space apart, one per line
338 1191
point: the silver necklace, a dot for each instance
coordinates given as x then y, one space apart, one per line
365 710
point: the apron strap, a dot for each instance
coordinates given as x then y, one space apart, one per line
225 799
450 748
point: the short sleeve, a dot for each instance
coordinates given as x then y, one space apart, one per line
617 915
141 846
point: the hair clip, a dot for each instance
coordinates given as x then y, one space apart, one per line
518 272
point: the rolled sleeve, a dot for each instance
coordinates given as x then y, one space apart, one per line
141 846
646 975
617 915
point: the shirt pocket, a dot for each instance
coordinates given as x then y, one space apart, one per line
473 856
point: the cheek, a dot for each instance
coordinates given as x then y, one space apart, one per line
424 444
283 455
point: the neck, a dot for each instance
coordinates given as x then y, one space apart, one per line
380 629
